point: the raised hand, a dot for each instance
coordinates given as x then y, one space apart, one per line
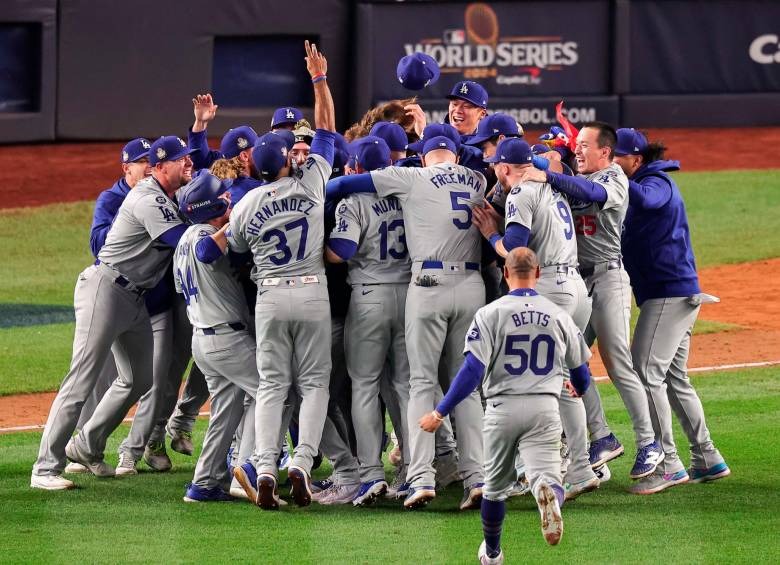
418 116
316 63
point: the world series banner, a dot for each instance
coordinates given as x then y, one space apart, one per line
512 48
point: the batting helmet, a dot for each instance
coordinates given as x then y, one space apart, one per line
199 199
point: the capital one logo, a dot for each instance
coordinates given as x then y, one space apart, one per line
765 49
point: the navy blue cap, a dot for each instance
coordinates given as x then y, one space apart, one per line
372 152
287 115
494 125
199 199
433 130
470 91
393 134
630 142
416 71
270 154
439 142
512 151
237 140
134 150
340 153
286 134
540 148
168 148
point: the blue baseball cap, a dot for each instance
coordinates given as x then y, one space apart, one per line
470 91
494 125
512 151
416 71
372 152
134 150
340 154
630 142
439 142
286 115
434 130
168 148
270 154
540 148
286 134
199 199
237 140
393 134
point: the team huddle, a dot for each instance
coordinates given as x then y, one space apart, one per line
450 277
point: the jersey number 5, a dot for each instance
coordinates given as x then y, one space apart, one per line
459 206
284 253
530 354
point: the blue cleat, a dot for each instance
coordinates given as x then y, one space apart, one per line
195 493
398 490
647 459
369 492
419 497
712 474
603 450
247 478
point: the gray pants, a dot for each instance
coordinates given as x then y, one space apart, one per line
193 397
293 325
107 376
108 317
228 361
530 424
374 333
565 288
660 350
437 319
609 322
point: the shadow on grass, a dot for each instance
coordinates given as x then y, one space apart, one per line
20 315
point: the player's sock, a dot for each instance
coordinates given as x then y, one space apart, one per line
294 434
492 518
560 494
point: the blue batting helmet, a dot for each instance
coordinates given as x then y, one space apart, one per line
199 199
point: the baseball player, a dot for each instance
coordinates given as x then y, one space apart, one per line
282 224
598 199
446 290
222 344
285 118
522 343
395 137
110 311
369 234
468 105
540 218
659 259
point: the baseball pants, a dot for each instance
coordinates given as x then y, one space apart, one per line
660 348
228 361
528 423
193 397
109 317
611 294
437 319
107 376
374 332
564 287
292 325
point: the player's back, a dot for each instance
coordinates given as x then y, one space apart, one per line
211 290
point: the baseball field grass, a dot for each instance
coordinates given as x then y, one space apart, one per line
143 519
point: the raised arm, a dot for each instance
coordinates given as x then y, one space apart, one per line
317 65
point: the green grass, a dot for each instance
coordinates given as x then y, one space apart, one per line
34 358
142 519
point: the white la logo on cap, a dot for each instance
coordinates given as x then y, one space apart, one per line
289 114
442 144
464 89
145 144
125 156
161 153
636 148
242 142
284 151
181 141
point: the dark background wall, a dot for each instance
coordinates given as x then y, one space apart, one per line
106 69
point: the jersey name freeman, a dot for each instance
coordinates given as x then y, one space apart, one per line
470 181
276 207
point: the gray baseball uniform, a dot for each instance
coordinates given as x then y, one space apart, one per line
222 347
445 292
111 314
379 273
598 230
526 343
546 213
282 223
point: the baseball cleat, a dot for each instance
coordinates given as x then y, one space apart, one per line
550 511
658 481
603 473
520 487
340 494
398 489
446 467
604 450
181 440
369 492
100 469
247 478
126 465
75 469
419 497
301 489
647 459
321 485
237 491
51 482
156 457
573 490
267 494
472 497
705 475
195 493
484 559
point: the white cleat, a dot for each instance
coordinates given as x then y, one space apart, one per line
485 560
51 482
550 511
126 466
76 469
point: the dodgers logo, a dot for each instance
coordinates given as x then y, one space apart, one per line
289 114
145 144
161 200
181 142
464 89
473 334
342 208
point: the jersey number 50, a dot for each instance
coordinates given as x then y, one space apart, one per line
537 354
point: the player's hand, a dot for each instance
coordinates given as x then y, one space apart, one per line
316 63
571 389
430 422
418 116
204 108
486 220
533 174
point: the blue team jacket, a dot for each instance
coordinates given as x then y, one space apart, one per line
656 243
160 298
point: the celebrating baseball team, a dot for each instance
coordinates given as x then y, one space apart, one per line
391 271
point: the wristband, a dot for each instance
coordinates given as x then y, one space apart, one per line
437 416
494 239
317 78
